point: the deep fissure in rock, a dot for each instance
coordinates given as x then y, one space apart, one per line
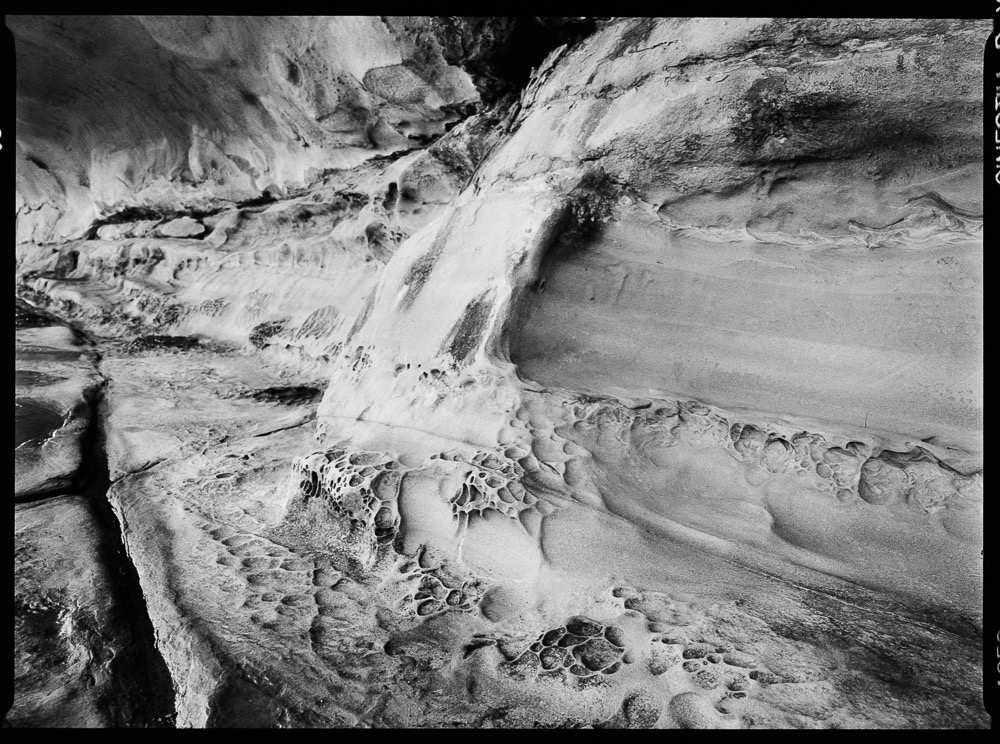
141 671
151 681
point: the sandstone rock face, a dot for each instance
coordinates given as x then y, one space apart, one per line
156 112
634 381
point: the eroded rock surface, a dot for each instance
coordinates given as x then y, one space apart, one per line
77 660
55 380
161 112
639 387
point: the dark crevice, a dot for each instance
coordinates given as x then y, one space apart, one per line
140 670
27 315
44 496
38 163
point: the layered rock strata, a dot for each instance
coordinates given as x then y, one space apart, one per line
650 396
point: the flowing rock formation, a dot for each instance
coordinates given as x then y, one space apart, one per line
615 373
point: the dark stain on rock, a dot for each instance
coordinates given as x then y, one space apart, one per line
288 396
66 264
499 53
258 201
467 334
769 109
35 421
380 242
363 317
416 277
633 36
391 197
263 332
169 314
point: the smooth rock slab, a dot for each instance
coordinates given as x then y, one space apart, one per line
184 227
